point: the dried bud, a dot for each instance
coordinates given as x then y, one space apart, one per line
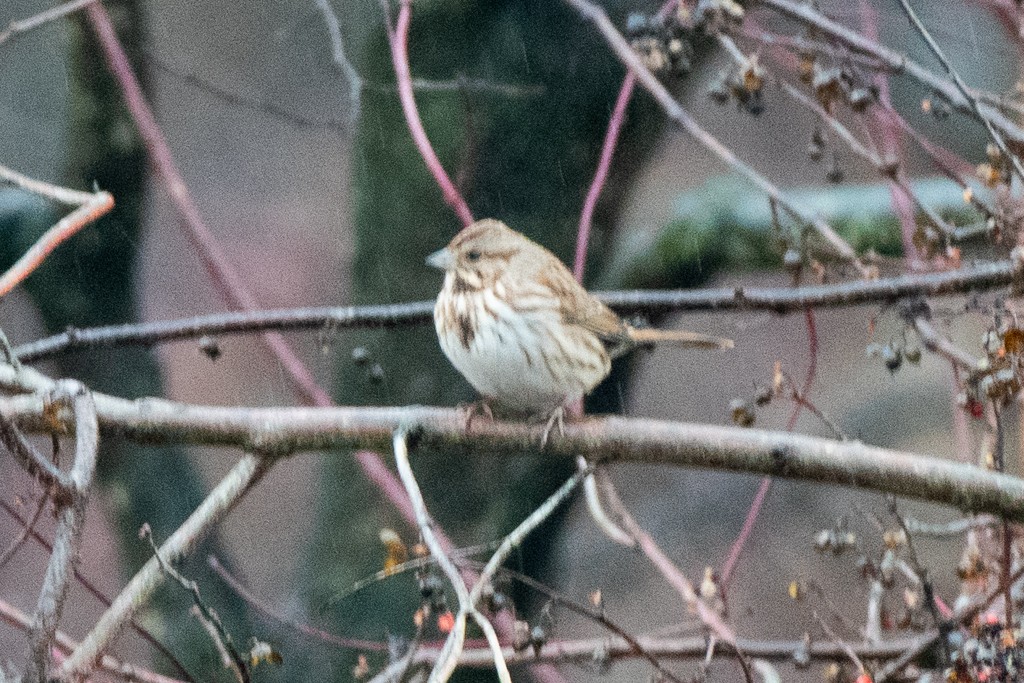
742 412
209 346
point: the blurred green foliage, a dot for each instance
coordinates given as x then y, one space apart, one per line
726 226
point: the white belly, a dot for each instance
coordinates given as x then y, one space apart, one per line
522 368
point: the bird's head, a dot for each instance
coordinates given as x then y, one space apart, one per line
482 252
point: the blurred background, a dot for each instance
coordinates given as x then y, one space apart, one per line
318 202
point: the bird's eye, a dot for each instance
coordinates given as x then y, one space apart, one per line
473 255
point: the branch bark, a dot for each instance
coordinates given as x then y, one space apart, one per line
285 430
984 276
70 522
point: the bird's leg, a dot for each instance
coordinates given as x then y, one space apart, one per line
556 418
469 411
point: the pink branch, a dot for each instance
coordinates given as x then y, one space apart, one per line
611 139
227 280
890 144
766 484
400 60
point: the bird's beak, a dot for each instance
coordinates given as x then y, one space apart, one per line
441 259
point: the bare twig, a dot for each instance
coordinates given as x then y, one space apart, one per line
682 118
754 512
604 165
519 534
34 463
953 528
246 473
89 207
129 672
834 637
598 514
210 620
980 277
348 70
894 61
400 60
938 343
245 594
70 522
972 100
961 616
229 284
448 660
24 25
26 530
675 577
96 593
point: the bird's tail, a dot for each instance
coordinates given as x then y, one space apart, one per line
693 340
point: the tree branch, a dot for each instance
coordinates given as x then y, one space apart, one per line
650 302
70 522
246 473
896 62
285 430
675 112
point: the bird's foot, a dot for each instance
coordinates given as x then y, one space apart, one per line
470 411
555 419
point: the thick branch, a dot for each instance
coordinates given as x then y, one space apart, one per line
651 302
610 439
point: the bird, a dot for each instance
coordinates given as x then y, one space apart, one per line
522 331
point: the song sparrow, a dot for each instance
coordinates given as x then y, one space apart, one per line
512 319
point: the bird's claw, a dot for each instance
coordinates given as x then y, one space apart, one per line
557 418
469 411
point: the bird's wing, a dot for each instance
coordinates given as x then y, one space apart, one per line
580 307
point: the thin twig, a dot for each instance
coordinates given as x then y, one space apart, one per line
519 534
452 649
961 616
227 280
26 530
985 276
972 100
70 522
211 622
894 61
91 588
598 514
952 528
682 118
756 505
250 599
675 578
246 473
348 70
48 474
89 207
129 672
24 25
400 60
831 635
938 343
604 164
